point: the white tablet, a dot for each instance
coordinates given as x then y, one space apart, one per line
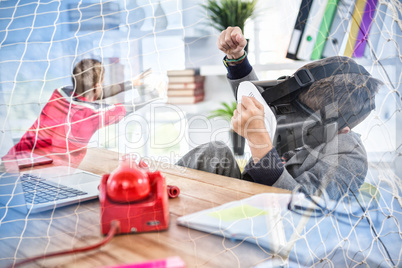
247 88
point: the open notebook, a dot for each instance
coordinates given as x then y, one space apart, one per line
257 219
323 233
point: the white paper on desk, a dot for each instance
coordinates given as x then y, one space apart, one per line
257 219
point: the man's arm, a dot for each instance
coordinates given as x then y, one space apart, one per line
232 42
234 83
248 118
338 167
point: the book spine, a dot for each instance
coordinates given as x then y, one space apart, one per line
365 25
186 72
185 92
298 29
186 99
324 29
181 86
354 27
185 79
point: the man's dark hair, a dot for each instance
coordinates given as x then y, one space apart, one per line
349 91
86 74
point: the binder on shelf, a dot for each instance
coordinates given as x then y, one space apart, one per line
339 28
364 28
354 25
298 29
324 29
311 29
376 33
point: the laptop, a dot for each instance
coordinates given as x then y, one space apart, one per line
43 189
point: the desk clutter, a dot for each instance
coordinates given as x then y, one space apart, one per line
185 86
219 222
133 199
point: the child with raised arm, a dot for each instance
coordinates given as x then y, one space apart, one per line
72 115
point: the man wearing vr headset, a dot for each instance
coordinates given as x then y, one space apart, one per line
315 111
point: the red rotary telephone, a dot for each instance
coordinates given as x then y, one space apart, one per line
134 196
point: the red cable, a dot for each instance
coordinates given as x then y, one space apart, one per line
115 229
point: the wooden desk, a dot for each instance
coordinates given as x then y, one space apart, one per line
78 226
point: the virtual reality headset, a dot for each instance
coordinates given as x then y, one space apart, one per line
297 125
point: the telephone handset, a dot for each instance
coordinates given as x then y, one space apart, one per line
128 183
135 197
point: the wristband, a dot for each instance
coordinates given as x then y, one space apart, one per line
233 62
237 60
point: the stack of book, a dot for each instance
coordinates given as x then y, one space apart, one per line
185 86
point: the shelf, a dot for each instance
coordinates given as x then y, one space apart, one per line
221 70
293 65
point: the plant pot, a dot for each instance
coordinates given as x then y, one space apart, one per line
238 143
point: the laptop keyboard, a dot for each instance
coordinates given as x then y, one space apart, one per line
37 190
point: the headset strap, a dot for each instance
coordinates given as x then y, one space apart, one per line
303 78
330 114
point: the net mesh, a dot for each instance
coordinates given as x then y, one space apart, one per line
42 41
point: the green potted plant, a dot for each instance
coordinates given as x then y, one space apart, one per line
226 112
225 13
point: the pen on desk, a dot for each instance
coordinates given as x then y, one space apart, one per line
170 262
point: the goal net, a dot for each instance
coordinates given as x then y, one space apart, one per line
137 43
